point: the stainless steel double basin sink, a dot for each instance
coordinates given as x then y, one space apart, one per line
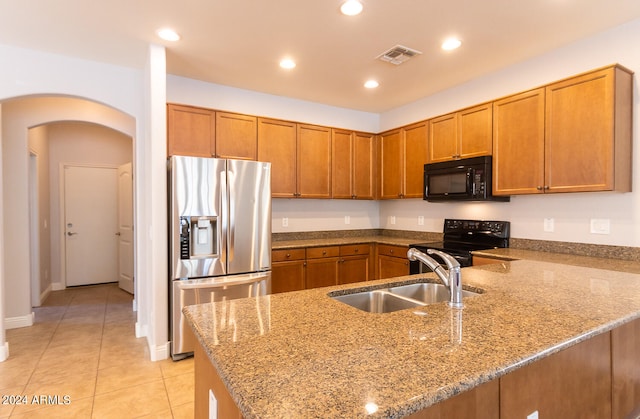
387 300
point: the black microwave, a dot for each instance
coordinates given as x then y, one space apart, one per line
460 180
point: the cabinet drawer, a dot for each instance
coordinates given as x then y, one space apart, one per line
394 251
287 254
354 249
322 252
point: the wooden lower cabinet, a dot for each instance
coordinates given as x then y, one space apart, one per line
288 270
392 261
573 383
207 379
355 264
597 378
322 266
625 356
481 402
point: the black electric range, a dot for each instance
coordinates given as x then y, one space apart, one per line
461 237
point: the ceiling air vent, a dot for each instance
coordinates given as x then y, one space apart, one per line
397 55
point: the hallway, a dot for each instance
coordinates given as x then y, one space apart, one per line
81 359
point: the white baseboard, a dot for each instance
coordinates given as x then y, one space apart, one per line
141 330
57 286
4 352
17 322
160 352
44 294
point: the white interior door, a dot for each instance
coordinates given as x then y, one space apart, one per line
91 224
125 228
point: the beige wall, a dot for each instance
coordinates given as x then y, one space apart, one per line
39 150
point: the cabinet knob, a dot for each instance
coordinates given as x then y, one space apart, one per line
546 187
324 252
356 250
288 255
539 188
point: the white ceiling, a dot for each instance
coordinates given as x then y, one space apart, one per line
240 42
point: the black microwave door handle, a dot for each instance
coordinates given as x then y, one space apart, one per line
470 183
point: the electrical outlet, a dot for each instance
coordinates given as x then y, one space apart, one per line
392 219
347 219
549 225
600 226
533 415
420 220
285 222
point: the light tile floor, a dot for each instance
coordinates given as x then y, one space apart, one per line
82 355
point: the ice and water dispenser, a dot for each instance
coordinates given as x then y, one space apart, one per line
198 237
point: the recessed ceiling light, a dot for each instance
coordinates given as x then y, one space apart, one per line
168 34
287 63
351 8
371 84
451 43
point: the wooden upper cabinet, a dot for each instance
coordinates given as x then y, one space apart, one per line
463 134
570 136
390 174
443 138
190 131
314 161
415 157
402 156
352 165
588 132
236 136
518 144
364 158
277 144
475 130
342 163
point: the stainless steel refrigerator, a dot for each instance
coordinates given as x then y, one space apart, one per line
220 236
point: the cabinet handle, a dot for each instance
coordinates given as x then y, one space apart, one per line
288 255
324 252
539 188
546 187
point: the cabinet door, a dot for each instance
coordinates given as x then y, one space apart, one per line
579 133
342 164
277 144
443 138
287 276
363 177
355 263
390 172
475 131
322 272
190 131
415 157
236 136
518 144
389 267
353 269
314 161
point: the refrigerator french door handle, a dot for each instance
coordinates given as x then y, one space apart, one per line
224 185
232 212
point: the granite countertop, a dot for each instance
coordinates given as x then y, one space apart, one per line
303 354
509 254
339 241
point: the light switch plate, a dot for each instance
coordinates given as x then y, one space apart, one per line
549 225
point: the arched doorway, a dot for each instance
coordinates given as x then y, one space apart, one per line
19 117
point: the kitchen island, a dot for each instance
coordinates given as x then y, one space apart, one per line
303 354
